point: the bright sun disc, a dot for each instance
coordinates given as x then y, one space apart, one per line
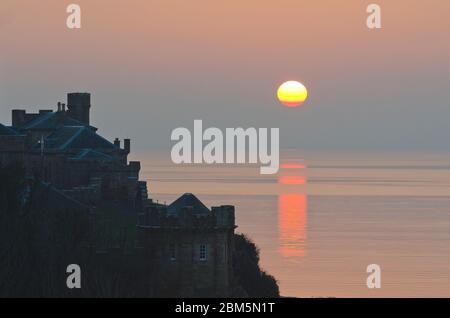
292 93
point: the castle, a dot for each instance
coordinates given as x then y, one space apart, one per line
190 243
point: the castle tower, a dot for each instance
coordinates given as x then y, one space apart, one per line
191 245
79 105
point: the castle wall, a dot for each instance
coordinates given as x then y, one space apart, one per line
174 242
12 148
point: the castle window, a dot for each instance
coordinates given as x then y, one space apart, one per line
173 252
203 252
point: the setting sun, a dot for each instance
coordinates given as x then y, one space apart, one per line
292 93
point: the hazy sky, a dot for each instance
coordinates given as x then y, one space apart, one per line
154 65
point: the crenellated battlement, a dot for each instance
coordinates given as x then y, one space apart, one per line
159 216
193 244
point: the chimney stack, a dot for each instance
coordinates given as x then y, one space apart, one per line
126 145
79 105
63 106
117 142
18 117
59 106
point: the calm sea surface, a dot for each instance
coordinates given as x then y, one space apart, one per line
325 216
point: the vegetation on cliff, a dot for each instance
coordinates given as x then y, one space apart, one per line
247 272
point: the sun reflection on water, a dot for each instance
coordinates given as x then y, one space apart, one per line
292 211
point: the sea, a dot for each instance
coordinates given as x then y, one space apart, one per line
326 216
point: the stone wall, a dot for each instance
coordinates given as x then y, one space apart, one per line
12 148
174 243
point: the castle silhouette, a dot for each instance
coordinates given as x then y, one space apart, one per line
77 168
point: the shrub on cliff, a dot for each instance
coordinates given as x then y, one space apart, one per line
247 272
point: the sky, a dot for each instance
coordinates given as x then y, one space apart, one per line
155 65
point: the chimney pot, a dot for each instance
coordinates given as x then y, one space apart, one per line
126 144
